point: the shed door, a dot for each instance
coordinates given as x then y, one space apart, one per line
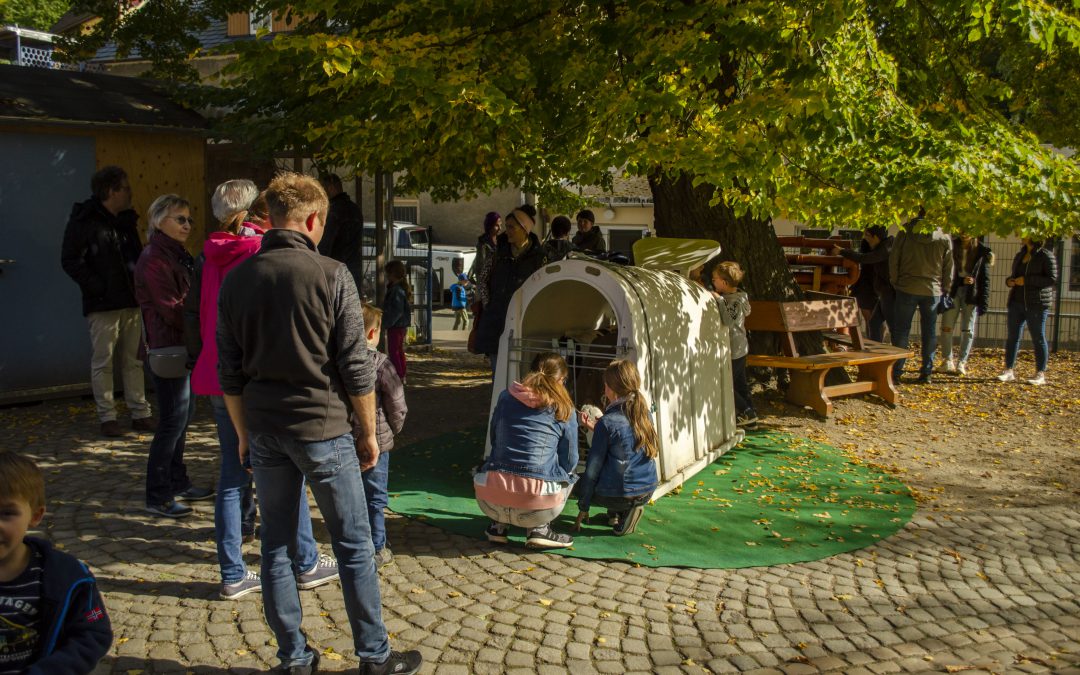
44 342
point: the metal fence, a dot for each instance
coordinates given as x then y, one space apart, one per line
418 265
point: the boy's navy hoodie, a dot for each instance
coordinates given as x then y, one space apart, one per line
78 633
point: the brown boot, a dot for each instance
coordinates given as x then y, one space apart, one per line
144 424
111 429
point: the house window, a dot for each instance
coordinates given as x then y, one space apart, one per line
257 22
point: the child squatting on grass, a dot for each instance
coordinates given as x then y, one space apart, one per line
526 480
726 277
620 472
390 412
52 617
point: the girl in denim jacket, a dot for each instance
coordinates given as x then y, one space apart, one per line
620 472
527 478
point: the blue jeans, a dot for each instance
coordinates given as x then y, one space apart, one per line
376 480
968 317
166 474
904 306
1035 318
234 507
333 472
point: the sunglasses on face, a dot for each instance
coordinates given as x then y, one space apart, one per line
184 220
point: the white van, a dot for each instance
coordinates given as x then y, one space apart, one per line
410 243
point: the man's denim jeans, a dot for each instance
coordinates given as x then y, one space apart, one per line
375 489
1035 318
166 474
904 306
234 507
333 472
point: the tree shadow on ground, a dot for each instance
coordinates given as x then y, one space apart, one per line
130 664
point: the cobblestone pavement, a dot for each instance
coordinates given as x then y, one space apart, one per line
991 590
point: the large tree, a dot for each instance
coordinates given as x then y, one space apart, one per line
37 14
826 111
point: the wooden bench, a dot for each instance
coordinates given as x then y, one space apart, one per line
829 314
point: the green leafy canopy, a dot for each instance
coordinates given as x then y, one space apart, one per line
825 111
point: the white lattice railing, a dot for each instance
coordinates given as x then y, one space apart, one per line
41 57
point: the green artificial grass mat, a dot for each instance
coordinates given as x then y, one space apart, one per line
774 499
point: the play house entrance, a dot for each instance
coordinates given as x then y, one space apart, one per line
593 312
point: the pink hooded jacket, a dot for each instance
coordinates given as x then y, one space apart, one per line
223 252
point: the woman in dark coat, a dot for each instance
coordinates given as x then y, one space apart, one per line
518 253
162 279
970 293
1034 273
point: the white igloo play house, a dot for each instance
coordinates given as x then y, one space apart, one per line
651 313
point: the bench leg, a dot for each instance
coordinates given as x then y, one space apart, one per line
807 389
881 375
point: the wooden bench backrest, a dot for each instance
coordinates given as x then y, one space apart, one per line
819 312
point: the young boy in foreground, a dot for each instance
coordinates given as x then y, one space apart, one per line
52 618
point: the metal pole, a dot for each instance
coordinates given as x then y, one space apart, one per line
380 239
430 284
1057 294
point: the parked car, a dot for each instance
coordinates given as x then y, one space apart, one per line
410 242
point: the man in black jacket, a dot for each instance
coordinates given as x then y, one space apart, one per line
344 227
101 247
293 362
875 263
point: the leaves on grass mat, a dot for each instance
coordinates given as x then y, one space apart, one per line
774 499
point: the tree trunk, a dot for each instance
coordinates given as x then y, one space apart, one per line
682 210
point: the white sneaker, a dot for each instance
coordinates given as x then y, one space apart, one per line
1039 379
1007 376
961 368
948 367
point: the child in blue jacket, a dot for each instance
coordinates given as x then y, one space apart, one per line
459 302
620 472
52 617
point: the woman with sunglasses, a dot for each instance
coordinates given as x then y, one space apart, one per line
162 280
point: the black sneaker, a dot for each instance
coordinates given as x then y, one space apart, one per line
194 494
309 669
399 663
171 509
628 521
545 537
496 533
924 379
746 420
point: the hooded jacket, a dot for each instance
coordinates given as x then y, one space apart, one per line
162 280
390 408
978 293
99 252
1040 275
616 466
921 263
737 307
77 628
527 440
221 253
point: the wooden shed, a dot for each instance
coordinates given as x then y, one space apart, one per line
56 129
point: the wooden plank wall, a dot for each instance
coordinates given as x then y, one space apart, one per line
156 162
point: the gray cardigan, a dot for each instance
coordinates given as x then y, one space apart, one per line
737 307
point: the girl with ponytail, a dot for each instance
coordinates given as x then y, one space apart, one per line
621 470
526 480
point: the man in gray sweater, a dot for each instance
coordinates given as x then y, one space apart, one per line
293 363
921 269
